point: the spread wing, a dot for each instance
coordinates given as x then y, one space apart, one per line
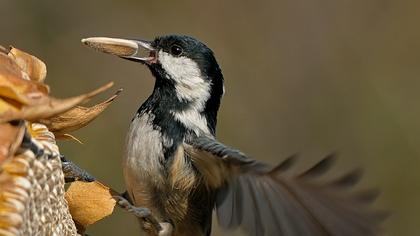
263 201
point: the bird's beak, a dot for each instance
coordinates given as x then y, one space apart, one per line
124 48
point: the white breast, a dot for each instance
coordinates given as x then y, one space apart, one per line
143 154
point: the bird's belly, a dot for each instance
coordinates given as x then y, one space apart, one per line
163 188
171 188
142 162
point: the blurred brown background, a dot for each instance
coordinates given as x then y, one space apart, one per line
308 77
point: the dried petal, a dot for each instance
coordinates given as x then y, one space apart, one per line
16 166
9 64
15 193
31 65
8 106
11 135
68 137
50 107
9 231
78 117
21 182
40 132
11 205
8 219
14 87
89 202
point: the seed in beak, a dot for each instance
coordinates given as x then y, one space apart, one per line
118 47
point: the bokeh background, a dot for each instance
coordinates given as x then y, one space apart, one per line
307 77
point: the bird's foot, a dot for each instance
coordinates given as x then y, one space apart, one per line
140 212
74 173
162 228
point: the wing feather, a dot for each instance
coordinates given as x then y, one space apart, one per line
263 201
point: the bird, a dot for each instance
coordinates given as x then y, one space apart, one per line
176 168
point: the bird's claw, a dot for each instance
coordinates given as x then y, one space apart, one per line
140 212
74 173
163 229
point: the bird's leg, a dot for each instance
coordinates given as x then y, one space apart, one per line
140 212
143 213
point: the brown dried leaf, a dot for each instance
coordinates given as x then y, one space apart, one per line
90 202
9 106
9 63
49 107
11 135
77 117
28 99
31 65
14 87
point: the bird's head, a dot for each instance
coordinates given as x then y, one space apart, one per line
182 65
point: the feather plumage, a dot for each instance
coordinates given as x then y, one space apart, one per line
263 201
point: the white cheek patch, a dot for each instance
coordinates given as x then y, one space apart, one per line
189 85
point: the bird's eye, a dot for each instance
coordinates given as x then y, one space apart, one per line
176 50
